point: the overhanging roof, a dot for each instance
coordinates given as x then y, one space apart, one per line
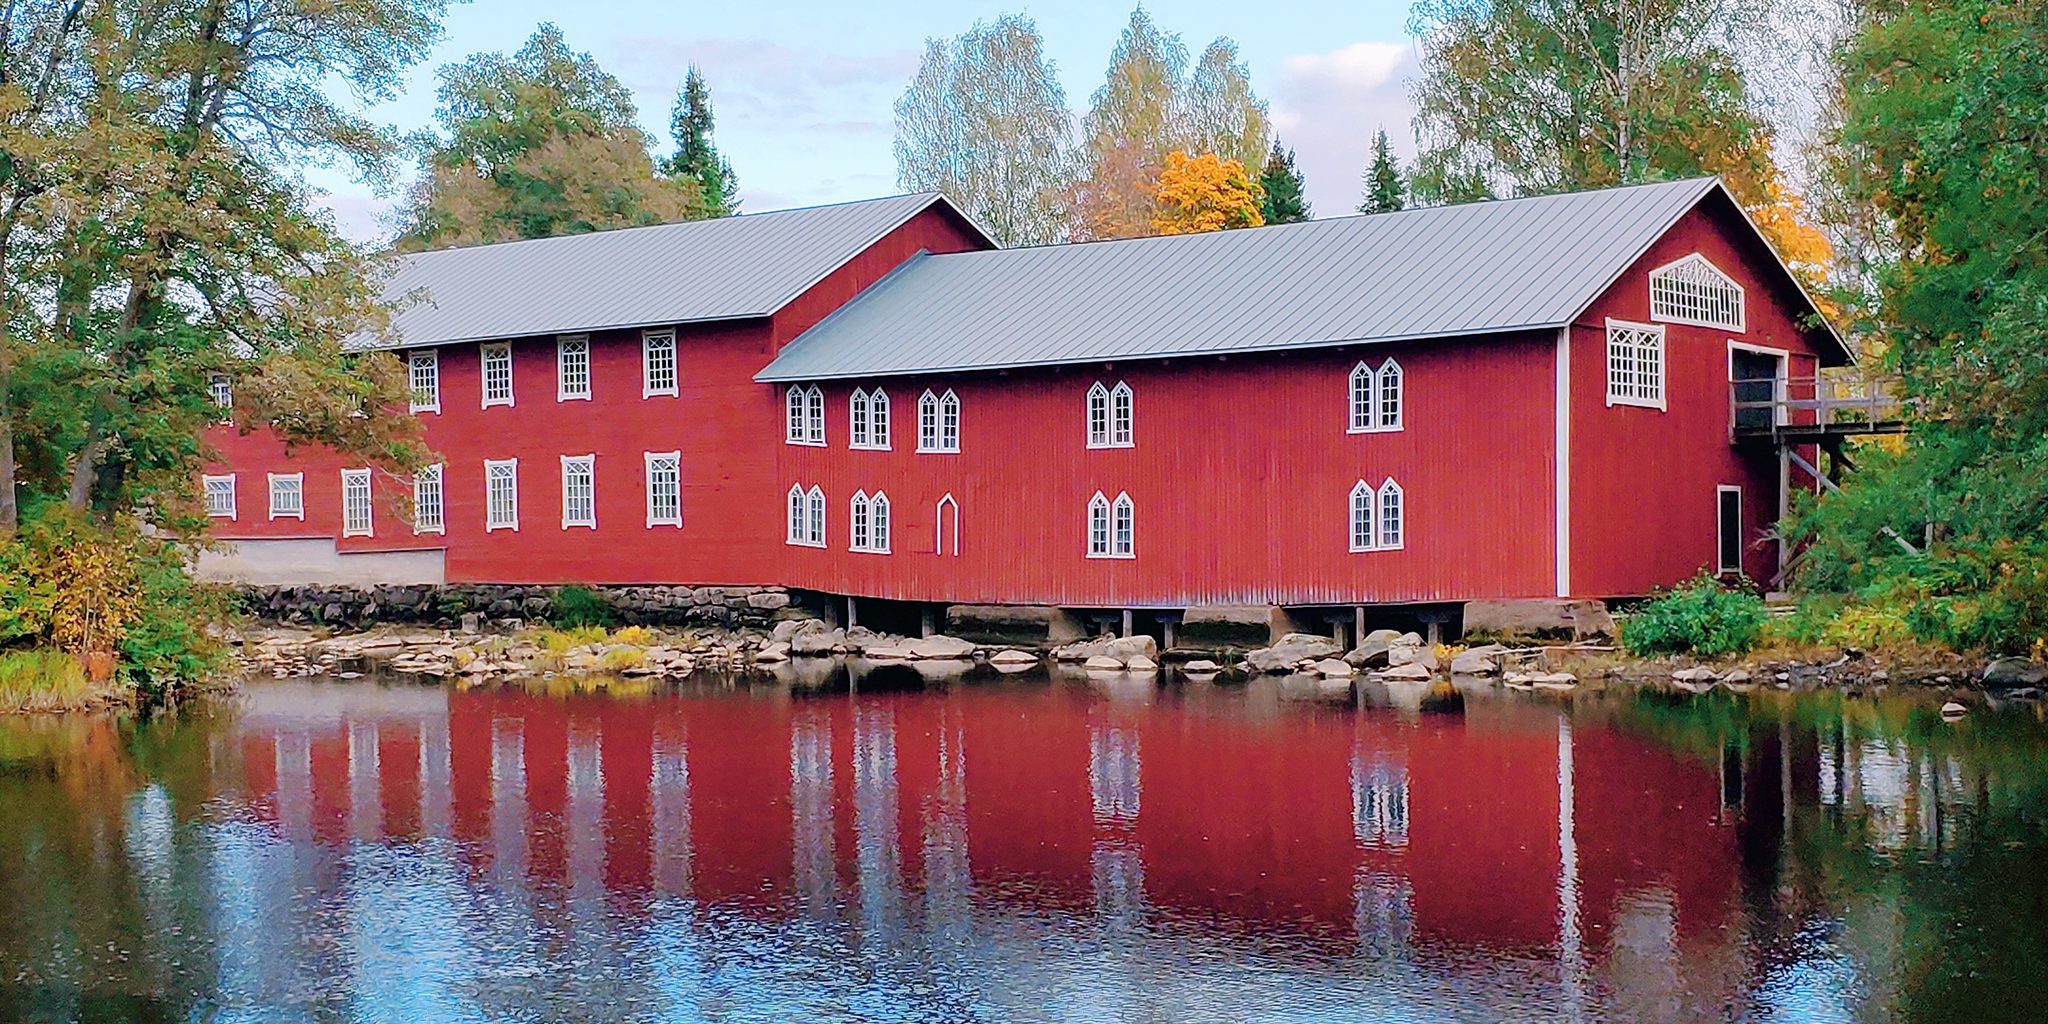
1479 268
724 269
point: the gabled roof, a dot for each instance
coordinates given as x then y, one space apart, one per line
725 269
1479 268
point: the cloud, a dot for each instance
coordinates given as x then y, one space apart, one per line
1328 106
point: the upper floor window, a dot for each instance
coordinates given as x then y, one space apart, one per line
288 496
221 390
572 367
501 495
428 501
497 360
355 503
423 372
1377 517
658 375
664 488
220 495
870 414
1691 290
803 415
1112 527
1375 397
1635 364
1111 416
870 523
938 422
579 491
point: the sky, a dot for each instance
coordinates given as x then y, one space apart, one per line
803 91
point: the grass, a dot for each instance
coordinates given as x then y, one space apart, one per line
42 681
561 641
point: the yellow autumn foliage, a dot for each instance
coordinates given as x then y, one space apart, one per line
1205 193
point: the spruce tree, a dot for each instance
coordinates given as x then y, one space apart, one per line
1284 202
696 156
1384 189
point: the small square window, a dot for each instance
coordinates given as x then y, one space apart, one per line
220 496
288 496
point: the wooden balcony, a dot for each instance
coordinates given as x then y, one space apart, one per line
1815 410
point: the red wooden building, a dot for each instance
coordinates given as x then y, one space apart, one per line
1522 399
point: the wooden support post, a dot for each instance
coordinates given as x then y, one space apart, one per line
852 615
1127 623
930 623
1169 629
1358 624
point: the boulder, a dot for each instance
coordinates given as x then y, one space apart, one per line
882 653
816 643
1478 661
1292 650
773 653
1201 666
2014 673
1408 672
1696 674
1012 657
790 629
940 646
1372 652
768 600
1140 663
1406 654
1555 680
1122 648
1103 663
1953 710
1334 668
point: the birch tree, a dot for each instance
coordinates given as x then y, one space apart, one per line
1224 116
985 121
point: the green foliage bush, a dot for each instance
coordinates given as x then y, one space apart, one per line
1701 617
575 607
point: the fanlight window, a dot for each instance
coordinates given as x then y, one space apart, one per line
1694 291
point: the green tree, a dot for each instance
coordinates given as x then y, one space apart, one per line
538 143
1134 120
696 157
1282 185
1224 116
1384 189
985 121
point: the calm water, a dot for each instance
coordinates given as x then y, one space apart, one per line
1024 849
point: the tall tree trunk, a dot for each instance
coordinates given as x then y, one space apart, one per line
10 511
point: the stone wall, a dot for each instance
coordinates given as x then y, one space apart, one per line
495 604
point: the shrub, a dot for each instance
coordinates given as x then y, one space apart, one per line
619 659
562 641
42 680
639 636
1701 617
575 607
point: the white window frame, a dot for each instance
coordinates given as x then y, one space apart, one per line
946 526
511 469
878 523
1623 384
1097 419
815 497
298 482
648 461
1123 527
654 341
1098 528
484 354
572 348
353 482
859 533
206 490
587 465
1671 303
1366 389
221 389
1722 568
868 412
1373 522
938 423
1112 419
430 480
797 509
803 416
427 397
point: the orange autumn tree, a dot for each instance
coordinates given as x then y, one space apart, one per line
1205 193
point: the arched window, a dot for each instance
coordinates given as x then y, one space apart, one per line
817 517
1361 398
878 429
1390 516
857 409
816 416
862 534
1098 526
795 428
1124 527
946 527
1363 534
878 528
799 532
927 422
1691 290
949 421
1388 403
1098 416
1121 425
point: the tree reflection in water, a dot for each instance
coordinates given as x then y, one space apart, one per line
1023 849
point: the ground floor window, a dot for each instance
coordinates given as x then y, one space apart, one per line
1112 526
220 496
1729 529
427 501
664 488
501 495
579 491
870 523
287 496
355 503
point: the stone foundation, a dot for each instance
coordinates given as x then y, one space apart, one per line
447 606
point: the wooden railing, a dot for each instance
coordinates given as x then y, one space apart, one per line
1851 403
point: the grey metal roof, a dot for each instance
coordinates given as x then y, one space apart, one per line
734 267
1534 262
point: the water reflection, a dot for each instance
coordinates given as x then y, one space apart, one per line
1023 849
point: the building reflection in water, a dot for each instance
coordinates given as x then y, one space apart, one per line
424 850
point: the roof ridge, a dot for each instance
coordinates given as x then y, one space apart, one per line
511 242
